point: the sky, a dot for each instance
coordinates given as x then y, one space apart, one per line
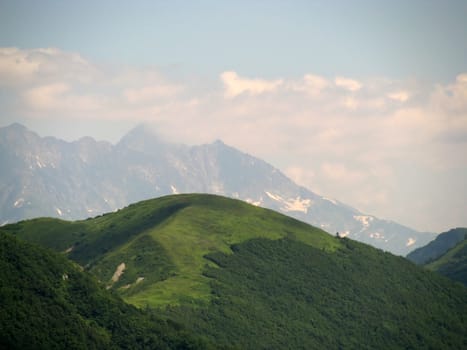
362 101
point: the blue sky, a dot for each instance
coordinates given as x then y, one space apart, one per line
363 101
425 39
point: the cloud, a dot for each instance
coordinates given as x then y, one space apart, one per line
46 96
59 97
452 97
355 140
400 96
41 65
151 93
236 85
15 66
312 84
348 84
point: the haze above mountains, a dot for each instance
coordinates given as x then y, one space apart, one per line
74 180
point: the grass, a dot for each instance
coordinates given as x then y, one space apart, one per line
207 227
247 277
277 294
449 257
53 233
452 264
165 240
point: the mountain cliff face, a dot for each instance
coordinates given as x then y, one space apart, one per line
74 180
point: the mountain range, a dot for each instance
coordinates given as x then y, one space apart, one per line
45 176
207 270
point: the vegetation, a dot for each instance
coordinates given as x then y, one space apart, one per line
447 255
285 294
453 264
438 246
46 302
163 242
238 275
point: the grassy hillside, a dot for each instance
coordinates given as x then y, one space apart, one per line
162 243
287 295
452 264
47 302
438 247
250 278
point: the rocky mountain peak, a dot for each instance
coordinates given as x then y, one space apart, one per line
44 177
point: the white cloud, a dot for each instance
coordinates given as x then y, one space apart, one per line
236 85
46 96
59 97
348 84
451 97
42 65
350 103
15 66
400 96
312 84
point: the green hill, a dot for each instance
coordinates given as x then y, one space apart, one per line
162 243
47 302
438 247
286 295
452 264
250 278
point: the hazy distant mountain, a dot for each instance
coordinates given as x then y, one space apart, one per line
72 180
447 255
452 264
438 246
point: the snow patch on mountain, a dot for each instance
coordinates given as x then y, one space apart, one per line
410 242
292 204
19 203
274 197
298 204
39 163
174 190
376 235
364 219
